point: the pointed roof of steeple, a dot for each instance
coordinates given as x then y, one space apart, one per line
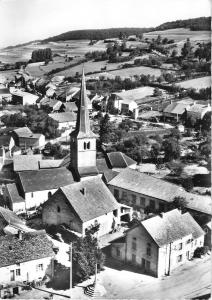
83 128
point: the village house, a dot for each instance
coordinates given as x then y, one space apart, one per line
198 110
23 98
65 120
24 258
12 198
26 162
160 244
175 110
85 204
142 191
119 161
126 101
7 142
38 185
25 139
53 105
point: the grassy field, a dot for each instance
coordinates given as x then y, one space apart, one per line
180 34
197 83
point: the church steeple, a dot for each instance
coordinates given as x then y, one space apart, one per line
83 128
83 140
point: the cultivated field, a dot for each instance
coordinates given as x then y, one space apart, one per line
197 83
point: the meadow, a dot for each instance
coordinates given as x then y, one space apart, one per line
197 83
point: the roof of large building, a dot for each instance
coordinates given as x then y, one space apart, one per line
119 160
64 117
198 203
198 109
33 245
144 184
13 193
172 226
45 179
23 132
26 162
90 198
135 94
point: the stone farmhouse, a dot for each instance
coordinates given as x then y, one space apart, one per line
160 244
84 204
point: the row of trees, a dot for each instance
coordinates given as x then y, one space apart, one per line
41 55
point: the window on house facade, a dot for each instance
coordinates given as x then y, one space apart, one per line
84 145
18 272
49 194
58 209
116 193
134 244
133 258
32 195
142 202
148 249
134 200
88 145
124 195
118 252
180 246
152 204
39 267
179 258
161 206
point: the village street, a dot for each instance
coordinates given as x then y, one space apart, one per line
189 280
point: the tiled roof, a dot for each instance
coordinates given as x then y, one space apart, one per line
45 179
33 245
23 132
176 108
26 162
109 175
101 165
135 181
70 106
96 201
64 117
172 226
119 160
9 217
13 192
198 202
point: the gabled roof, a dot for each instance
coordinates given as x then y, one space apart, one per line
33 245
172 226
119 160
45 179
96 201
176 108
135 94
64 117
23 132
13 193
144 184
9 217
26 162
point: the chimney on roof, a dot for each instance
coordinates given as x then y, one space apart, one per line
83 191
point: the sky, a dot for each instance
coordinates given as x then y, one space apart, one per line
26 20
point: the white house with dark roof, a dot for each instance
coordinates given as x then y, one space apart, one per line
12 198
84 204
25 257
65 120
160 244
38 185
25 138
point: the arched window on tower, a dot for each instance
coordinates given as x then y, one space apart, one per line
88 145
84 145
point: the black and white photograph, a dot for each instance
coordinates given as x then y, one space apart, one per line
105 149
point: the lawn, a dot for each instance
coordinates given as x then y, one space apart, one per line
197 83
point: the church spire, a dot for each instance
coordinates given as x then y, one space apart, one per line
83 122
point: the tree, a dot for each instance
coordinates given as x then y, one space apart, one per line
86 254
41 55
206 121
171 148
179 202
105 129
186 51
